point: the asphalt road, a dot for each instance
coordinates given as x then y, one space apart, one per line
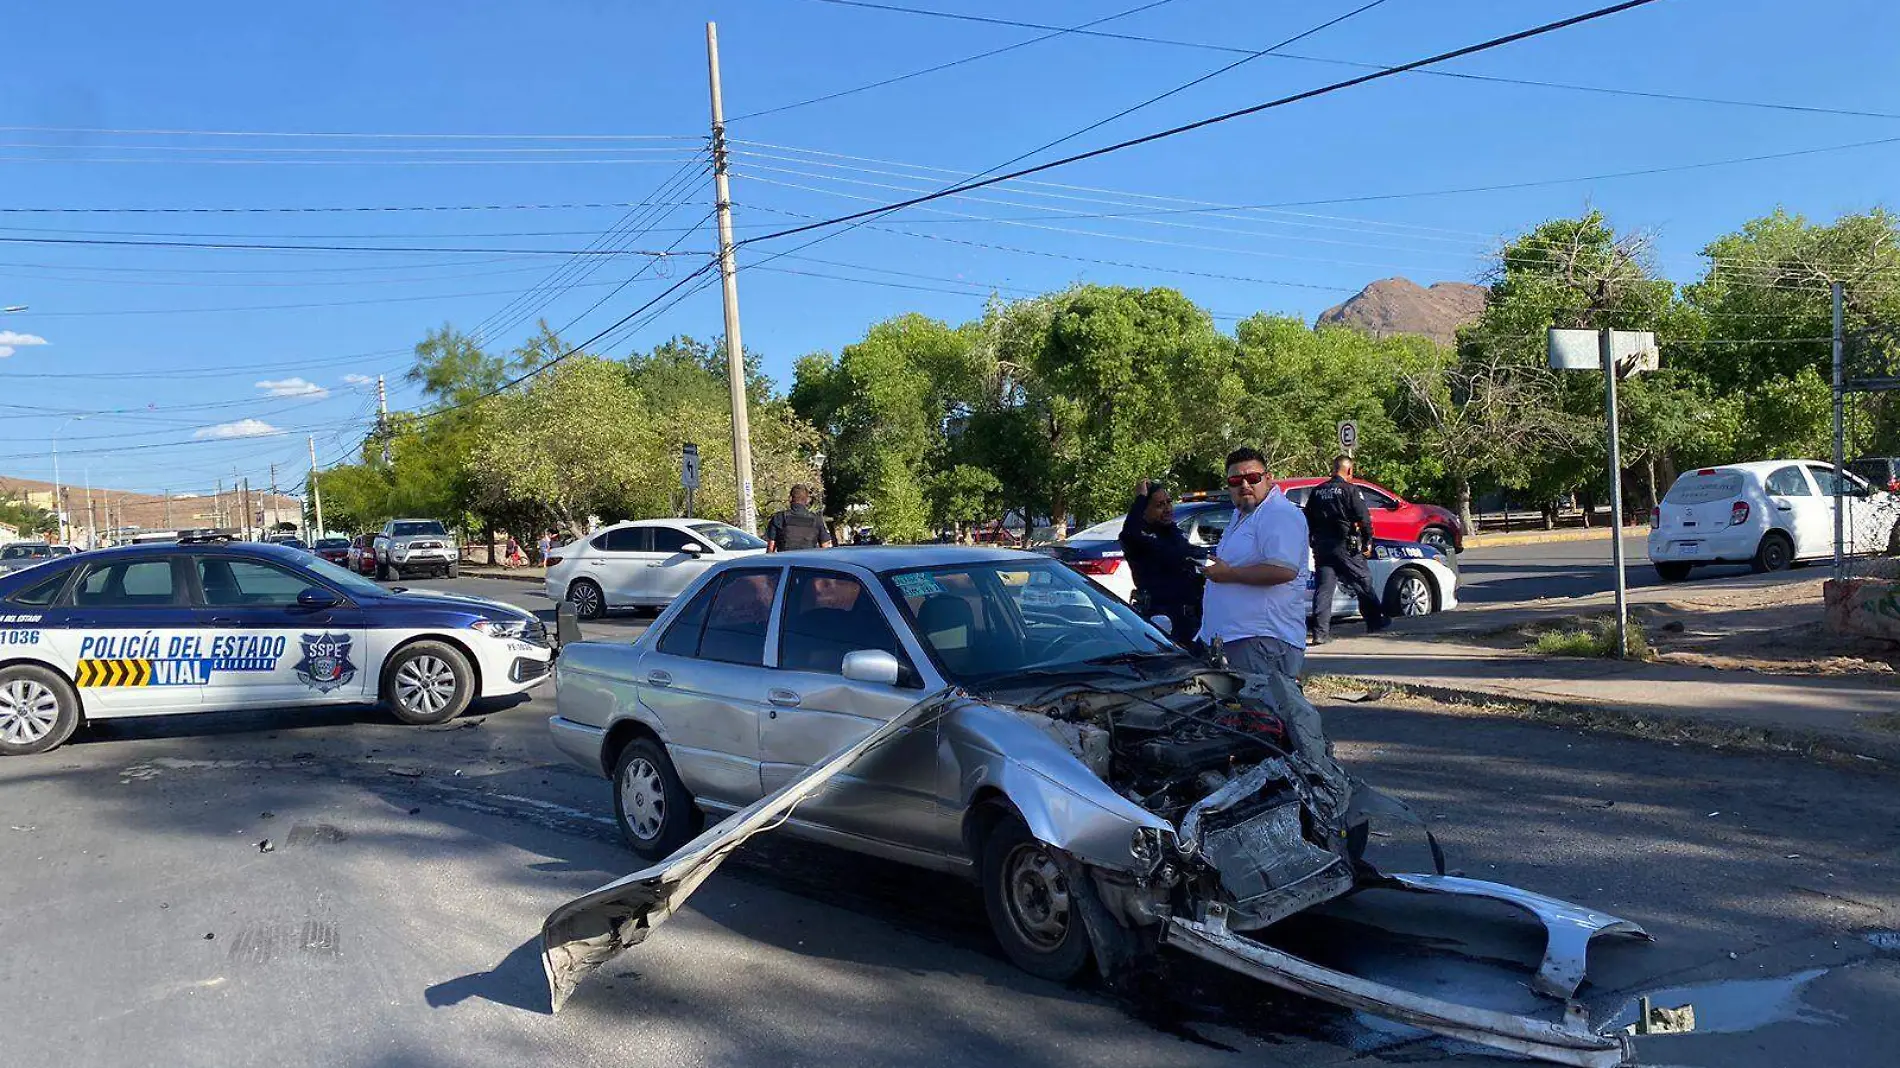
393 920
1575 568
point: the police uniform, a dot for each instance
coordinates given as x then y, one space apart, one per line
796 528
1166 568
1340 524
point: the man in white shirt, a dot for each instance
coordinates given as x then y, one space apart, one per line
1256 601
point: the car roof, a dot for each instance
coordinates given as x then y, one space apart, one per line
170 548
1757 467
886 558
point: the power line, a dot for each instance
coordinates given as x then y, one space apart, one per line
621 161
321 209
250 247
303 305
91 130
1362 65
1056 32
1482 46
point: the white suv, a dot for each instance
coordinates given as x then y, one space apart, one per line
1767 514
406 546
642 564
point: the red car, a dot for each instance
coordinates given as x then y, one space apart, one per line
335 550
362 554
1393 516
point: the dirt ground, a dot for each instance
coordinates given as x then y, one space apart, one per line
1776 630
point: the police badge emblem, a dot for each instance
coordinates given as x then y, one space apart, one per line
326 662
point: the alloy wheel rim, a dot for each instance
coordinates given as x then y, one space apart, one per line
1415 598
643 799
586 599
425 685
28 711
1037 897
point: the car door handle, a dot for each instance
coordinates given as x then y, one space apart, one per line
1783 506
783 698
226 621
659 678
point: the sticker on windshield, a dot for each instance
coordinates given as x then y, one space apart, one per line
916 584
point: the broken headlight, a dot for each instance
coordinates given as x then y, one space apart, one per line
1149 845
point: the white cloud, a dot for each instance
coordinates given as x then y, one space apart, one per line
292 387
243 428
357 380
11 340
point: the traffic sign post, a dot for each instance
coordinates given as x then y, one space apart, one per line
1348 436
689 473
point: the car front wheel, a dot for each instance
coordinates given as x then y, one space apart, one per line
1438 538
38 710
428 682
1033 910
1409 593
655 810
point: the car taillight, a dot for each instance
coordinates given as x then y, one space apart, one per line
1738 514
1655 516
1107 565
552 560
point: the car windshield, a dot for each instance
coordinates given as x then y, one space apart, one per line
1106 530
333 543
1704 487
731 539
411 530
991 623
22 552
340 577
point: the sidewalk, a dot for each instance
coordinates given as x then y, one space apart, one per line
534 573
1539 537
1850 718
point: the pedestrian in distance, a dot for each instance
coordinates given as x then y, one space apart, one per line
1342 533
797 527
1165 565
1256 602
547 545
511 555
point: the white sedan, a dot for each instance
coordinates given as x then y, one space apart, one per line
641 564
1415 579
1767 514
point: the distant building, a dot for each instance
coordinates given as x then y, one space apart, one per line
8 533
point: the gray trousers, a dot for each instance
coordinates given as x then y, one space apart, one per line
1264 656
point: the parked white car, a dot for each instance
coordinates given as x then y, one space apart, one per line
641 564
1767 514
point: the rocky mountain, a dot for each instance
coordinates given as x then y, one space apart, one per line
1402 306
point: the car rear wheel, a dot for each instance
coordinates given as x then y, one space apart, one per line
428 682
1438 538
1775 553
1409 593
1033 910
38 710
655 810
1672 571
588 601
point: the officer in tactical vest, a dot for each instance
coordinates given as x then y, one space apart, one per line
797 527
1341 529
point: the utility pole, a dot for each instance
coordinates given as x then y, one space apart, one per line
217 506
748 518
382 417
1840 436
246 526
168 509
270 502
316 491
92 522
1606 350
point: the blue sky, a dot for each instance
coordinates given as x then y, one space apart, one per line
171 348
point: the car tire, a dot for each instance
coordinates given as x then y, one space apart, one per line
1438 538
1672 571
1893 541
428 682
1034 913
452 571
382 571
1409 592
1775 553
38 710
654 808
588 601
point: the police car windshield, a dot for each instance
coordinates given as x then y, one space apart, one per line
410 530
342 578
729 538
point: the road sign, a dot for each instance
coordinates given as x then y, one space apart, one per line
689 466
1580 350
1348 436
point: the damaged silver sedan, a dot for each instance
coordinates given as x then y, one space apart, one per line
990 714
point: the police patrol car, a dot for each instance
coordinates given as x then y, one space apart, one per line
176 628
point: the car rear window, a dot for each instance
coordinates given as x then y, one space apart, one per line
1699 487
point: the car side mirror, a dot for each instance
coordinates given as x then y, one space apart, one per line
316 597
694 548
872 665
1162 623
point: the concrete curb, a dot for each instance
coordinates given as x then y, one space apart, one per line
1540 537
504 576
1860 751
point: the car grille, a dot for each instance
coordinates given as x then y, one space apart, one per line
425 545
537 633
525 670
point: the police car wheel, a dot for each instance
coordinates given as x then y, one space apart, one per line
1409 593
38 710
428 682
588 601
